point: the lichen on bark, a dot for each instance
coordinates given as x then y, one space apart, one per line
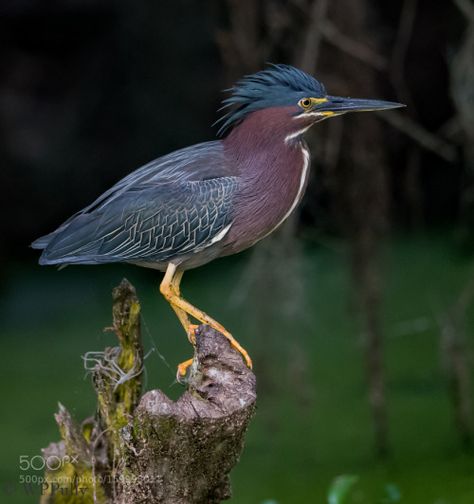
152 449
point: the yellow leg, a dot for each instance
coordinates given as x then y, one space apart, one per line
181 314
170 289
185 322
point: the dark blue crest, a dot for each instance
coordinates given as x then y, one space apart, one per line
276 86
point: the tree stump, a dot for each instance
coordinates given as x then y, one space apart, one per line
151 449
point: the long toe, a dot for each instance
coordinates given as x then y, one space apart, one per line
246 357
235 344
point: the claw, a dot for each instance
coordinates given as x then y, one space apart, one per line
192 333
237 346
183 370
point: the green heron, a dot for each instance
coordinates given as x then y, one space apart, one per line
212 199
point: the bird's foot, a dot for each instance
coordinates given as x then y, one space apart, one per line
233 342
191 330
184 366
183 370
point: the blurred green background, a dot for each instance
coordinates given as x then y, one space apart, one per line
312 424
358 313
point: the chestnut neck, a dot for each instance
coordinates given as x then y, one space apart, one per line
272 171
260 137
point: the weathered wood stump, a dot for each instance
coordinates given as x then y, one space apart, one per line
151 449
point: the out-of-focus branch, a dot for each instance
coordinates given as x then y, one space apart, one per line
312 39
241 46
466 7
457 361
423 137
350 46
400 48
358 50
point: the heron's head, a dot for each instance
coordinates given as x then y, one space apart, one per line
293 96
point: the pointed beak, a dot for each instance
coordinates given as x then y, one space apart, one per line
338 105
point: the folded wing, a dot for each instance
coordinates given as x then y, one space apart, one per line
148 222
197 162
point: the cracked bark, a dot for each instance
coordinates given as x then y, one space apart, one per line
152 449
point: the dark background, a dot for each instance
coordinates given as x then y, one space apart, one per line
91 90
358 312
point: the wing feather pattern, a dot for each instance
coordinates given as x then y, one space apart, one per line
149 222
197 162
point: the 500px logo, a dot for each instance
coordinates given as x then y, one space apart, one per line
39 463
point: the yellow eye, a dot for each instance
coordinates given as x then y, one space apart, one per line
305 103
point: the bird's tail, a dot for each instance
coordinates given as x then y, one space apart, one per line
43 241
73 243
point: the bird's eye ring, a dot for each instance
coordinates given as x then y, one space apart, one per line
305 103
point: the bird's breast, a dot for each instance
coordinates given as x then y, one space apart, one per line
270 191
